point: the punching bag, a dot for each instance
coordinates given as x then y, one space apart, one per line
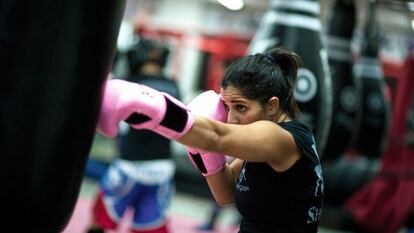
344 176
385 203
295 25
346 88
54 58
375 108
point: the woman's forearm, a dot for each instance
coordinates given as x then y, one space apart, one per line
222 186
204 134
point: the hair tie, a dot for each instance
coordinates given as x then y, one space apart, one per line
271 59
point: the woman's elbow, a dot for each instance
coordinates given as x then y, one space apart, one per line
224 201
223 204
223 198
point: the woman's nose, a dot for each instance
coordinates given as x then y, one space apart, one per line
232 118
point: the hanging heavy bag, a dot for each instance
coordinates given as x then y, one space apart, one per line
346 88
296 25
54 58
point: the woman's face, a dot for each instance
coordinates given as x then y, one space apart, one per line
241 110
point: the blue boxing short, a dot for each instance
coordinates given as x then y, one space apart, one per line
144 186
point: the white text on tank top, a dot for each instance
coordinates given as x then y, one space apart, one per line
315 212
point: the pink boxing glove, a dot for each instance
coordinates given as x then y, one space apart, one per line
143 108
207 104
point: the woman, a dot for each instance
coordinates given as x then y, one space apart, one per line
276 181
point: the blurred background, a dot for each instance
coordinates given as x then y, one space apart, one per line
357 59
366 42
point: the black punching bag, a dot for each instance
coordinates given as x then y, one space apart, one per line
295 25
375 108
54 58
346 88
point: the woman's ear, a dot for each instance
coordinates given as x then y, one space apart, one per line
272 107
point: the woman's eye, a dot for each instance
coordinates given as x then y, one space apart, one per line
241 108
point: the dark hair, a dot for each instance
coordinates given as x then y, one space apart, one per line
145 51
264 75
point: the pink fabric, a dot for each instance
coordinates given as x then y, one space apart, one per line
208 104
383 205
122 98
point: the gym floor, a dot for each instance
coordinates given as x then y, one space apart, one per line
186 212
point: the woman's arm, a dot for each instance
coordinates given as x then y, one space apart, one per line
261 141
222 184
145 108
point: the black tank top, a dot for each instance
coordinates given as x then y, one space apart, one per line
145 144
288 202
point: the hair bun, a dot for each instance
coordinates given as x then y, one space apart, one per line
287 60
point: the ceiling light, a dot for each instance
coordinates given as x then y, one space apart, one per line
232 4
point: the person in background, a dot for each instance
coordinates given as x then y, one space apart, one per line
276 180
141 178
